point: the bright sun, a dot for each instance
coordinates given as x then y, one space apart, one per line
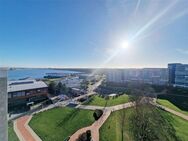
124 45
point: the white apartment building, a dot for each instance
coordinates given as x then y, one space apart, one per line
158 76
72 82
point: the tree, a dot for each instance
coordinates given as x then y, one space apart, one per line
97 114
147 123
85 136
52 88
59 88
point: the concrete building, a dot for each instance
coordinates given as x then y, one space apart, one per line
115 75
23 92
72 82
158 76
178 74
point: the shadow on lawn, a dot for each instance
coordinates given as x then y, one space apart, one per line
180 101
68 117
150 123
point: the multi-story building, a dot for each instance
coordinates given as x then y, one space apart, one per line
72 82
115 76
178 74
23 92
158 76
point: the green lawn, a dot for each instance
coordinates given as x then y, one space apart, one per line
180 125
99 101
168 104
111 130
11 134
59 123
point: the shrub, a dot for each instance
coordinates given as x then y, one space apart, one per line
85 136
97 114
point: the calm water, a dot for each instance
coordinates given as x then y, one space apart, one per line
34 73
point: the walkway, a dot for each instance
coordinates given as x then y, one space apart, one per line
23 131
173 112
94 128
154 102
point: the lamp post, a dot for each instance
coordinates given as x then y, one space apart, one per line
3 105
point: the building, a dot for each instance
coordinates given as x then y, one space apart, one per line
178 74
115 75
72 82
23 92
157 76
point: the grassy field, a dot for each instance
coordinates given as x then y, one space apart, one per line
111 130
11 134
180 125
99 101
168 104
60 123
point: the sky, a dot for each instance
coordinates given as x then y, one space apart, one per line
93 33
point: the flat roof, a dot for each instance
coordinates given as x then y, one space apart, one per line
111 95
21 85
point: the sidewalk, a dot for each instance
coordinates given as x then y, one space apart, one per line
173 112
94 128
23 131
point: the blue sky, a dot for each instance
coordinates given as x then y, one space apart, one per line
89 33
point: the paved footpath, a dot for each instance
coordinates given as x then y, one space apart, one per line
23 131
94 128
173 112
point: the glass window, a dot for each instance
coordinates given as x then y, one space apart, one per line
9 96
14 94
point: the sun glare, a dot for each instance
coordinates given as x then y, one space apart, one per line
124 45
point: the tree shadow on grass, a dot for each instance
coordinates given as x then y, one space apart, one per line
179 101
148 123
68 117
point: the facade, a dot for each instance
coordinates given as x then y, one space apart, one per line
23 92
178 74
72 82
158 76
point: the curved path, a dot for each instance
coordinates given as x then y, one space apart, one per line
94 128
173 112
23 131
179 114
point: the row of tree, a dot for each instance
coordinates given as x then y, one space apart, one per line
58 88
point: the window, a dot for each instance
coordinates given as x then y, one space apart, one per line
18 94
9 95
28 93
14 94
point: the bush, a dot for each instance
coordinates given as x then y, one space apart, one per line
97 114
85 136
